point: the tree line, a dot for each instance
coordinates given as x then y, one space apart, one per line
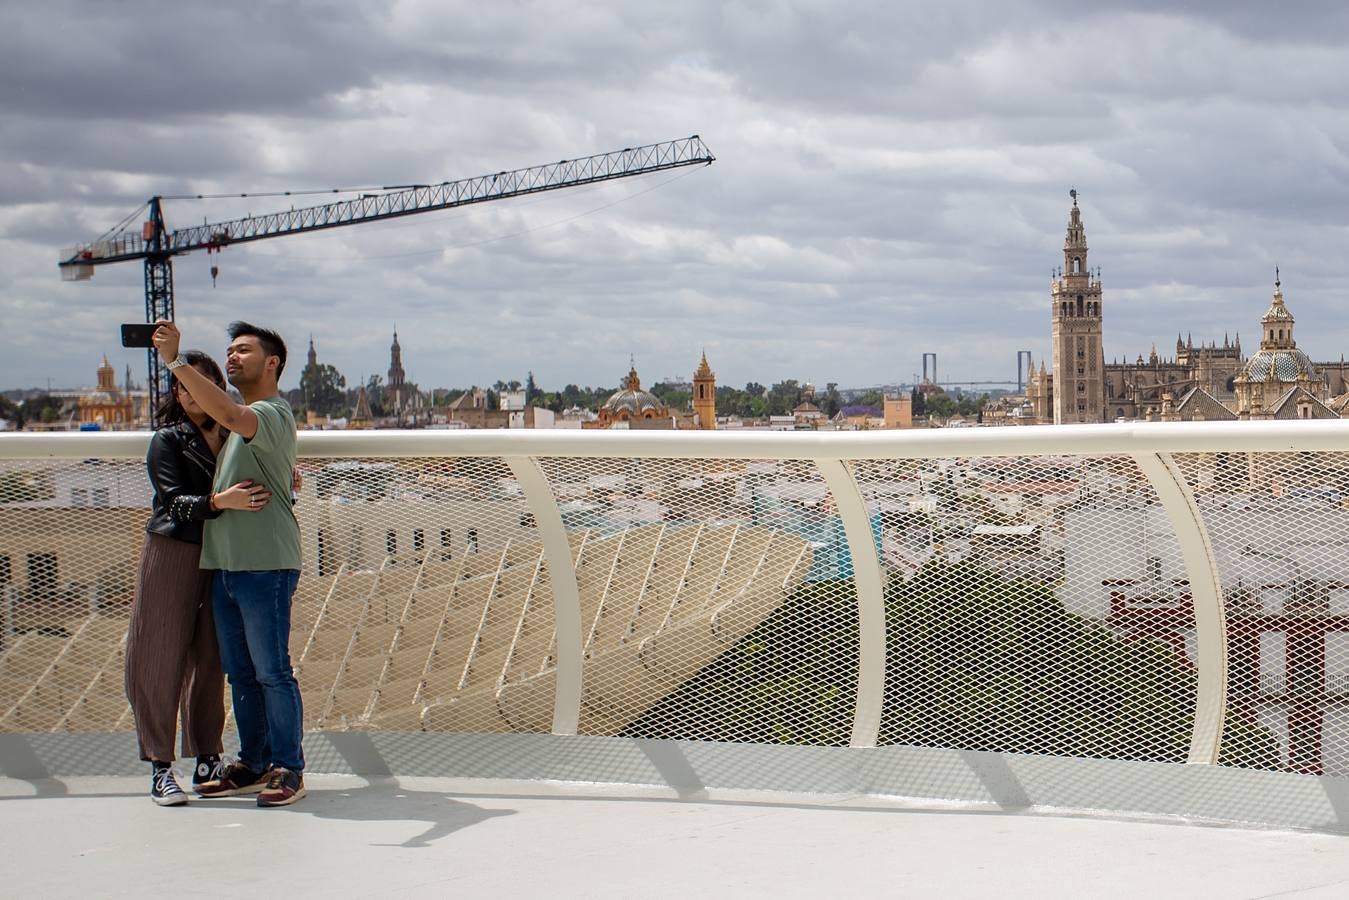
324 390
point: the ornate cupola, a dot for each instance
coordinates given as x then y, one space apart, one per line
1277 323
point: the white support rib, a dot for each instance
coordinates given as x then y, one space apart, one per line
866 564
566 596
1209 616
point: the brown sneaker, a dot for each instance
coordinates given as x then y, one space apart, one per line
236 778
283 788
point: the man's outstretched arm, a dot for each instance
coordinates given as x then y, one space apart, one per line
217 404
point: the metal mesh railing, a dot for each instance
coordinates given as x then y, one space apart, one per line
1036 595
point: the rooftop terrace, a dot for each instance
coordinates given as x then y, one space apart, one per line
632 642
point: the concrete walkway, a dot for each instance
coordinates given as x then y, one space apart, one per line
439 837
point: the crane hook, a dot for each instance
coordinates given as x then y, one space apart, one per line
215 270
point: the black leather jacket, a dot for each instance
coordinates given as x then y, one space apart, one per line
181 467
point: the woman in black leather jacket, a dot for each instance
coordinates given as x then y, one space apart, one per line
172 659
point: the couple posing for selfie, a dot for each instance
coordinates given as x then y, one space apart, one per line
218 569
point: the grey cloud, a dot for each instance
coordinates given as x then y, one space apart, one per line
892 178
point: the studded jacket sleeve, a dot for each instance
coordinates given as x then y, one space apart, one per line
178 488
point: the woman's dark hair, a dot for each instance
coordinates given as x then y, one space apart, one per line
170 411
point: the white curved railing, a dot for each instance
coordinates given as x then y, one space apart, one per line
1118 480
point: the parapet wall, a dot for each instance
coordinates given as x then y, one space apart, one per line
1140 619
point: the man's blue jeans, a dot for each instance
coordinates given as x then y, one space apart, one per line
252 624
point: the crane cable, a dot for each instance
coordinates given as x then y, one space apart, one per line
120 227
350 190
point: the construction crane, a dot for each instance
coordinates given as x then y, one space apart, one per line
156 245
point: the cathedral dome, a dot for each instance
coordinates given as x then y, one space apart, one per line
1286 365
634 401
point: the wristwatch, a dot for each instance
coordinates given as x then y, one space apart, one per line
177 363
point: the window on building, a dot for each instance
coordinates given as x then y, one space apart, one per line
1079 304
79 496
473 540
101 497
43 576
391 542
418 540
1077 265
445 537
4 570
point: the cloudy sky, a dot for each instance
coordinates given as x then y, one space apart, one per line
892 178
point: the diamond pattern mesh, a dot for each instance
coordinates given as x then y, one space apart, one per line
1279 528
1031 604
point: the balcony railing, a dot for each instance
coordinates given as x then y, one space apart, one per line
1167 593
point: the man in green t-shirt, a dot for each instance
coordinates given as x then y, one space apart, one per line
256 558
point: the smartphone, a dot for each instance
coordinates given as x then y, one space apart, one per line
138 334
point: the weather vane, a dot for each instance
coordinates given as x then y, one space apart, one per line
1073 193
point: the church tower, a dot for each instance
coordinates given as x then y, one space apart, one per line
1079 360
396 387
705 395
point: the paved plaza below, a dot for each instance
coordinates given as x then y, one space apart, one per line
437 837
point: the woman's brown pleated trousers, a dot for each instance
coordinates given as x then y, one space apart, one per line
172 658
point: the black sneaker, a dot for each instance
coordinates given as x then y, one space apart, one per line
164 789
235 778
210 767
283 788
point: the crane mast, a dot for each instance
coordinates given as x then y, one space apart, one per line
157 246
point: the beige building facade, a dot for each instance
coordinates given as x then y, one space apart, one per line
1204 381
1075 324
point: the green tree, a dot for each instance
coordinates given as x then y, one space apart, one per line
532 392
919 402
40 408
783 397
871 398
671 396
374 394
832 400
324 390
11 411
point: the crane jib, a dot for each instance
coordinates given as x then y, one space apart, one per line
402 201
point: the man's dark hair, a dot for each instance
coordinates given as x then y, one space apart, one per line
271 342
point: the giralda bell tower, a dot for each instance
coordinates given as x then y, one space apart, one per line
1079 360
